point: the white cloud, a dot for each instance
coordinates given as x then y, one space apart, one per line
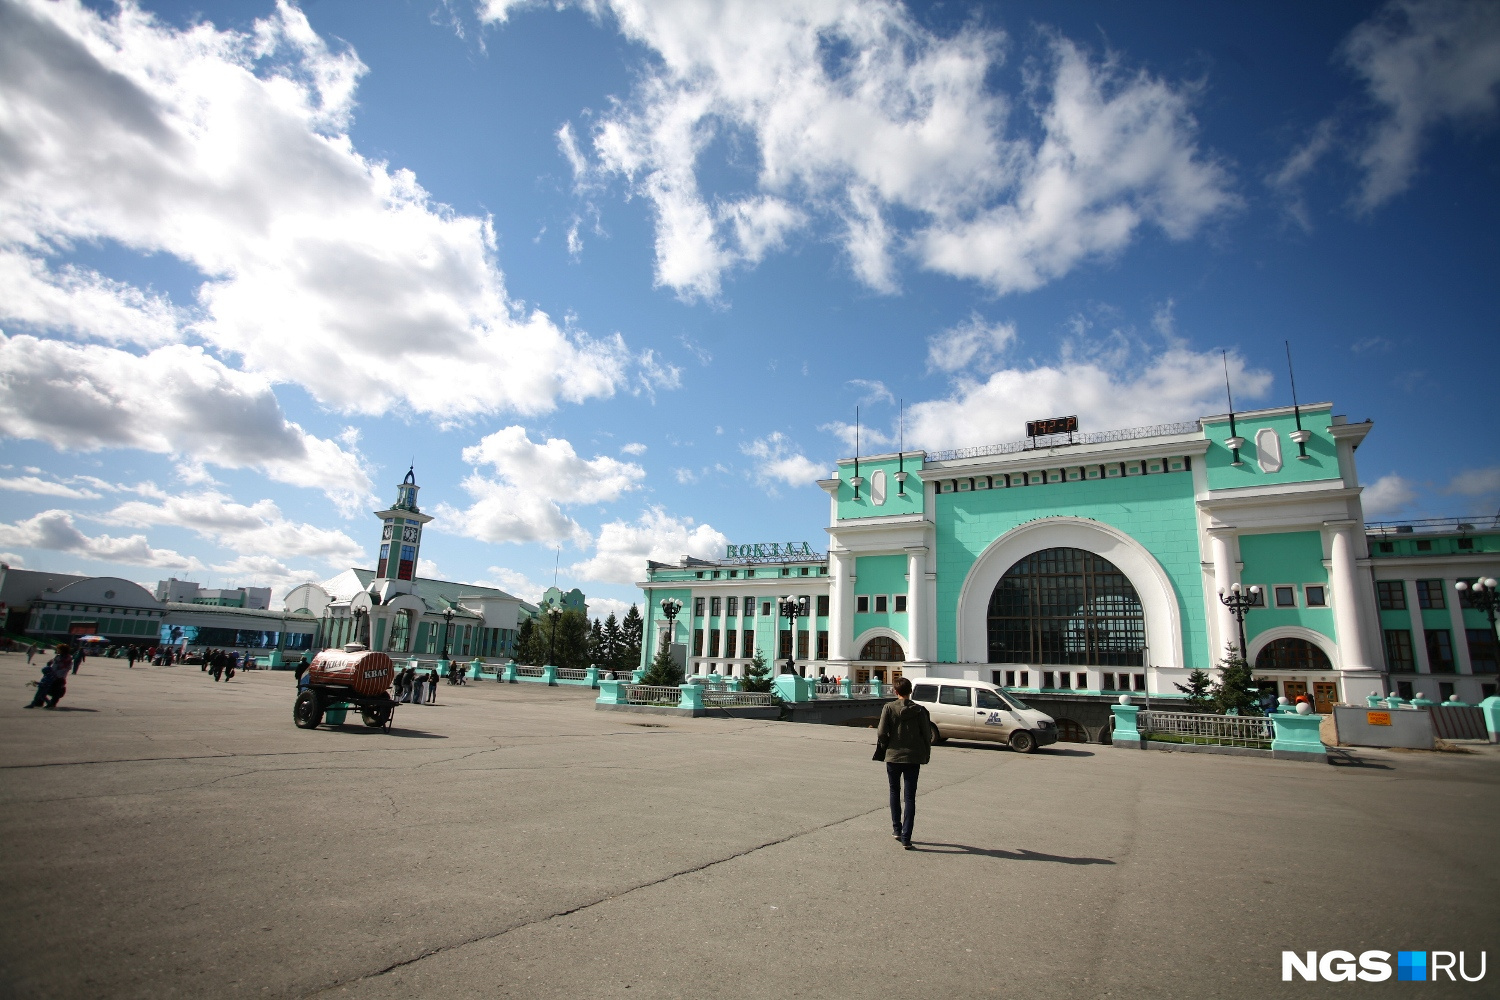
504 513
602 607
1477 482
176 400
858 117
230 152
872 390
46 487
1426 63
1106 392
254 530
1287 179
54 530
553 468
972 341
623 547
777 458
514 582
1389 494
262 571
633 448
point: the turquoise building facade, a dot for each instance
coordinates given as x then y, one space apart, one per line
1087 564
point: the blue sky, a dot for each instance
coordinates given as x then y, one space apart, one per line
616 275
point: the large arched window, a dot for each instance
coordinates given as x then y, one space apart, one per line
1066 606
884 649
1292 654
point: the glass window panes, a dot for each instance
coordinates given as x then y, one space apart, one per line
749 607
950 695
1392 594
1398 650
1291 654
880 605
1317 597
1430 594
734 607
862 604
822 605
900 604
715 606
1286 597
1440 651
1481 650
698 606
924 692
985 698
1066 606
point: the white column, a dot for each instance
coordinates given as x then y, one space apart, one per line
840 609
1418 627
1461 661
1352 652
916 611
1225 576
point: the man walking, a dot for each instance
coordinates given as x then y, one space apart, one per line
906 733
130 656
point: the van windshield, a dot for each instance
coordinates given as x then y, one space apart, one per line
1015 702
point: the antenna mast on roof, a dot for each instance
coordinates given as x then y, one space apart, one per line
856 481
901 447
1301 436
1234 442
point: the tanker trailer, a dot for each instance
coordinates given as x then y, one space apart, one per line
352 677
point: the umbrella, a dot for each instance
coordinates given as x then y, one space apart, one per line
92 638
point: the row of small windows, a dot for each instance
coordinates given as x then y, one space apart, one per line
1071 474
1425 545
1400 654
1284 595
716 644
882 603
1066 680
730 607
1430 595
734 574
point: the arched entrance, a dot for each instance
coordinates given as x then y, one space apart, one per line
1292 654
1066 606
881 653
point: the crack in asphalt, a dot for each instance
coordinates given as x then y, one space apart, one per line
570 911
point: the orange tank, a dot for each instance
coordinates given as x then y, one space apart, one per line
367 672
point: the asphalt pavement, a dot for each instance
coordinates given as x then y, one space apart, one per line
166 835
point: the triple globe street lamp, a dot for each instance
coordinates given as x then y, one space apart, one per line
555 613
1483 596
1239 601
791 609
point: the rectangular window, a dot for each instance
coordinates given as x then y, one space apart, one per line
765 607
1482 650
822 605
862 604
1010 678
1063 680
1445 690
801 645
1026 678
1430 594
1392 594
1083 682
1440 651
1286 597
715 606
1466 543
900 604
1109 682
749 607
697 642
733 608
880 604
385 555
698 603
730 639
804 606
786 643
1398 651
1047 679
948 695
747 642
713 643
1316 596
822 644
1424 545
408 562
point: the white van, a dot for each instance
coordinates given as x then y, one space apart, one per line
975 710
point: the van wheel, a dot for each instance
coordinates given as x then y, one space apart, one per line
937 736
1022 741
308 710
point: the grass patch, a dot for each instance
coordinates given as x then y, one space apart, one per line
1203 741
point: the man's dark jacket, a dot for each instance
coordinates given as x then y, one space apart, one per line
906 730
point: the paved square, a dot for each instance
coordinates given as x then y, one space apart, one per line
169 836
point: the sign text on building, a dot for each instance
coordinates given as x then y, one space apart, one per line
1052 425
771 550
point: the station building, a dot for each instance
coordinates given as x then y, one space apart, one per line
1076 566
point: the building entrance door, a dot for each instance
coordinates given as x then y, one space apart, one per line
878 673
1325 695
1294 690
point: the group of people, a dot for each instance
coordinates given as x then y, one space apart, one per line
414 687
54 682
220 662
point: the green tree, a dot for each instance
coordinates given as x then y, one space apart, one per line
1199 691
663 669
609 658
1235 690
632 630
523 641
597 653
758 674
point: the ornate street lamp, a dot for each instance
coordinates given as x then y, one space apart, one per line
671 606
555 613
447 631
361 623
791 609
1483 596
1238 602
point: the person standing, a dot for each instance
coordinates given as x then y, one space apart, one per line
905 733
78 660
432 681
130 656
419 684
30 652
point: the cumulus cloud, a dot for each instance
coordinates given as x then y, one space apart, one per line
623 547
1390 494
46 487
501 512
175 400
633 448
230 152
255 530
55 531
553 468
778 459
602 607
1425 63
1477 482
515 583
974 341
868 128
1110 390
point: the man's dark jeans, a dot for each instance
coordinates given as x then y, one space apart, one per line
901 820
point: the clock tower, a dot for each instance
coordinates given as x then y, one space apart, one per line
400 541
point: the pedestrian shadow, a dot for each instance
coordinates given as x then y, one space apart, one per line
939 847
70 708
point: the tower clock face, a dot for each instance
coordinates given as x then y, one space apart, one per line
410 533
385 534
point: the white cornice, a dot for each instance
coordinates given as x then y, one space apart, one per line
1255 496
1065 456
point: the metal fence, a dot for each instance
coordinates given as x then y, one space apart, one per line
1055 440
1206 730
861 690
652 694
572 674
528 671
739 699
1455 722
831 689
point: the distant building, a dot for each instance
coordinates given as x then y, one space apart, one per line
175 591
573 600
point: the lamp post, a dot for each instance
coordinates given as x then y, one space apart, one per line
671 606
1483 596
447 630
1238 602
791 609
361 619
555 613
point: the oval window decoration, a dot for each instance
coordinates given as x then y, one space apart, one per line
877 488
1268 450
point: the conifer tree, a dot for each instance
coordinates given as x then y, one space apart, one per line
1199 691
1235 689
596 651
758 674
632 631
663 669
523 640
609 653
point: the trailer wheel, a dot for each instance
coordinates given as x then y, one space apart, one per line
308 711
376 718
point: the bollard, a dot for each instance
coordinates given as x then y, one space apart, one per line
508 675
877 689
1297 737
691 696
444 667
613 693
549 675
1373 700
591 676
1126 733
